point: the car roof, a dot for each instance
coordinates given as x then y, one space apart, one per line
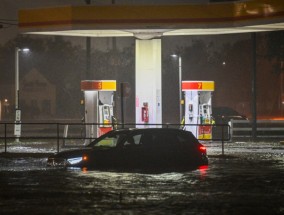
148 129
130 131
152 130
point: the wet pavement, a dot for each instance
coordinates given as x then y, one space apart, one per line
249 179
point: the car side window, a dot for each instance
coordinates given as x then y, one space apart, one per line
160 139
146 139
171 139
164 138
133 140
109 141
137 139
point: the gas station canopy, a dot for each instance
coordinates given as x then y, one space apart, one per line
147 22
152 21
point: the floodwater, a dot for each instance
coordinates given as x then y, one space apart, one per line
248 180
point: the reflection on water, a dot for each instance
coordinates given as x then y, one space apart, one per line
130 189
22 164
147 183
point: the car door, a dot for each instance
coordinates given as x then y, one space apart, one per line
166 148
107 153
131 151
158 148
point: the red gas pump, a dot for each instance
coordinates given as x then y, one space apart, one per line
105 119
145 113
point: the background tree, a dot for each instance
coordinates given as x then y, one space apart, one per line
56 59
271 57
274 46
119 65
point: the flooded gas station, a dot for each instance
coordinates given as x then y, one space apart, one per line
241 177
247 179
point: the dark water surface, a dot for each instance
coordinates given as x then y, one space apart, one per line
249 182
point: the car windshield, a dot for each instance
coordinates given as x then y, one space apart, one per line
110 139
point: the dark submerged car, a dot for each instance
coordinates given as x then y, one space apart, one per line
152 149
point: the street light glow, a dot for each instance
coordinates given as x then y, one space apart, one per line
25 49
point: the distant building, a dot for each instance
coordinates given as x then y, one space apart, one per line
37 96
